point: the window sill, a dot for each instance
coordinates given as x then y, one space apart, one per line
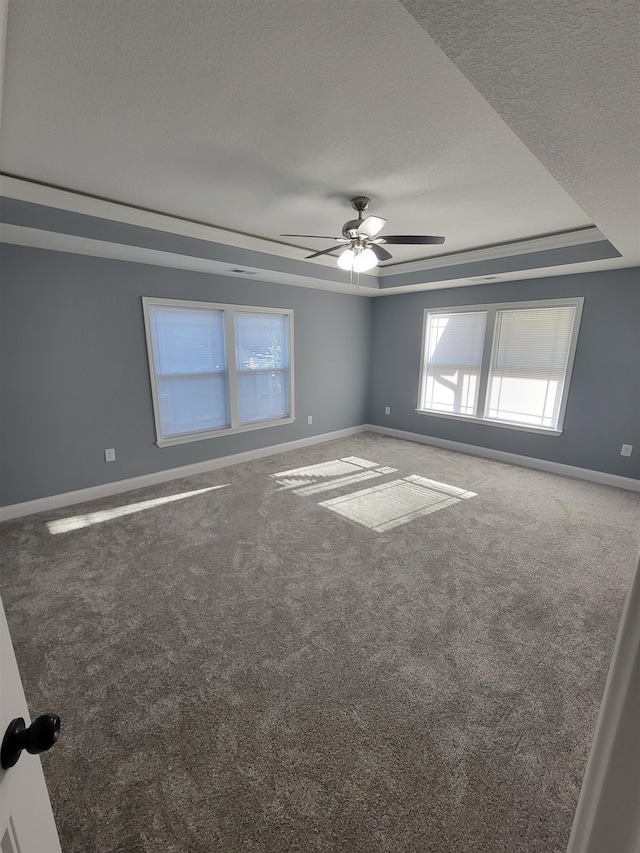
202 436
487 422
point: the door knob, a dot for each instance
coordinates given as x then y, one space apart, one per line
38 737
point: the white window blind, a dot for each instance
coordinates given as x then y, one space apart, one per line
507 364
190 369
262 364
453 358
528 365
217 369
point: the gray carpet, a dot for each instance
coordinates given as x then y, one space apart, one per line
253 669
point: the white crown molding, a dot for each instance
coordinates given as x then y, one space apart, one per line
564 240
72 202
115 488
19 235
513 458
86 205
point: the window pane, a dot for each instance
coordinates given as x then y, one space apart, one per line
187 340
528 365
453 357
263 396
193 404
262 364
190 369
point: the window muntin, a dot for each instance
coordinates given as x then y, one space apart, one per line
217 369
518 375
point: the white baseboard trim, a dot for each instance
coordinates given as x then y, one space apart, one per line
93 493
105 490
513 458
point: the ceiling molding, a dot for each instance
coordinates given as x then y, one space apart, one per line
59 242
555 271
379 282
35 193
73 202
563 240
19 235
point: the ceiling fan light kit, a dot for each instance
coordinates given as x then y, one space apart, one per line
364 248
357 259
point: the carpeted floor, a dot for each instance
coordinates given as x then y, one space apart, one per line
404 651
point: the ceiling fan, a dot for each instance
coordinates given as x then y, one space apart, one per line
362 247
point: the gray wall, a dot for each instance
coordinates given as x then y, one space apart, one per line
603 410
74 374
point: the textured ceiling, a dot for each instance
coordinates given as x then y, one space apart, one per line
266 117
487 122
565 76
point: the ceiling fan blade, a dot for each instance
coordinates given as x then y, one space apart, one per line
324 252
380 253
371 226
407 239
318 236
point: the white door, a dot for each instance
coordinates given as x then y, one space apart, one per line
26 819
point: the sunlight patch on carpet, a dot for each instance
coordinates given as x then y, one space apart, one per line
325 476
389 505
76 522
316 488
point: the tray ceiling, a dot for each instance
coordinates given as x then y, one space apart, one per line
264 118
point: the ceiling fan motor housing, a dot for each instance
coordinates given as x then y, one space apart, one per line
359 203
350 228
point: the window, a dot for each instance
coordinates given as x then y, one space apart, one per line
217 369
508 365
454 359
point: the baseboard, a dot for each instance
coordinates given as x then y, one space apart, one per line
513 458
105 490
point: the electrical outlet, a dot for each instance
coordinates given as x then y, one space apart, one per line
626 450
309 419
387 410
110 454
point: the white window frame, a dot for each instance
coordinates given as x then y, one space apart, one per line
491 309
229 312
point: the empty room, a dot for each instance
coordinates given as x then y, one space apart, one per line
319 426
